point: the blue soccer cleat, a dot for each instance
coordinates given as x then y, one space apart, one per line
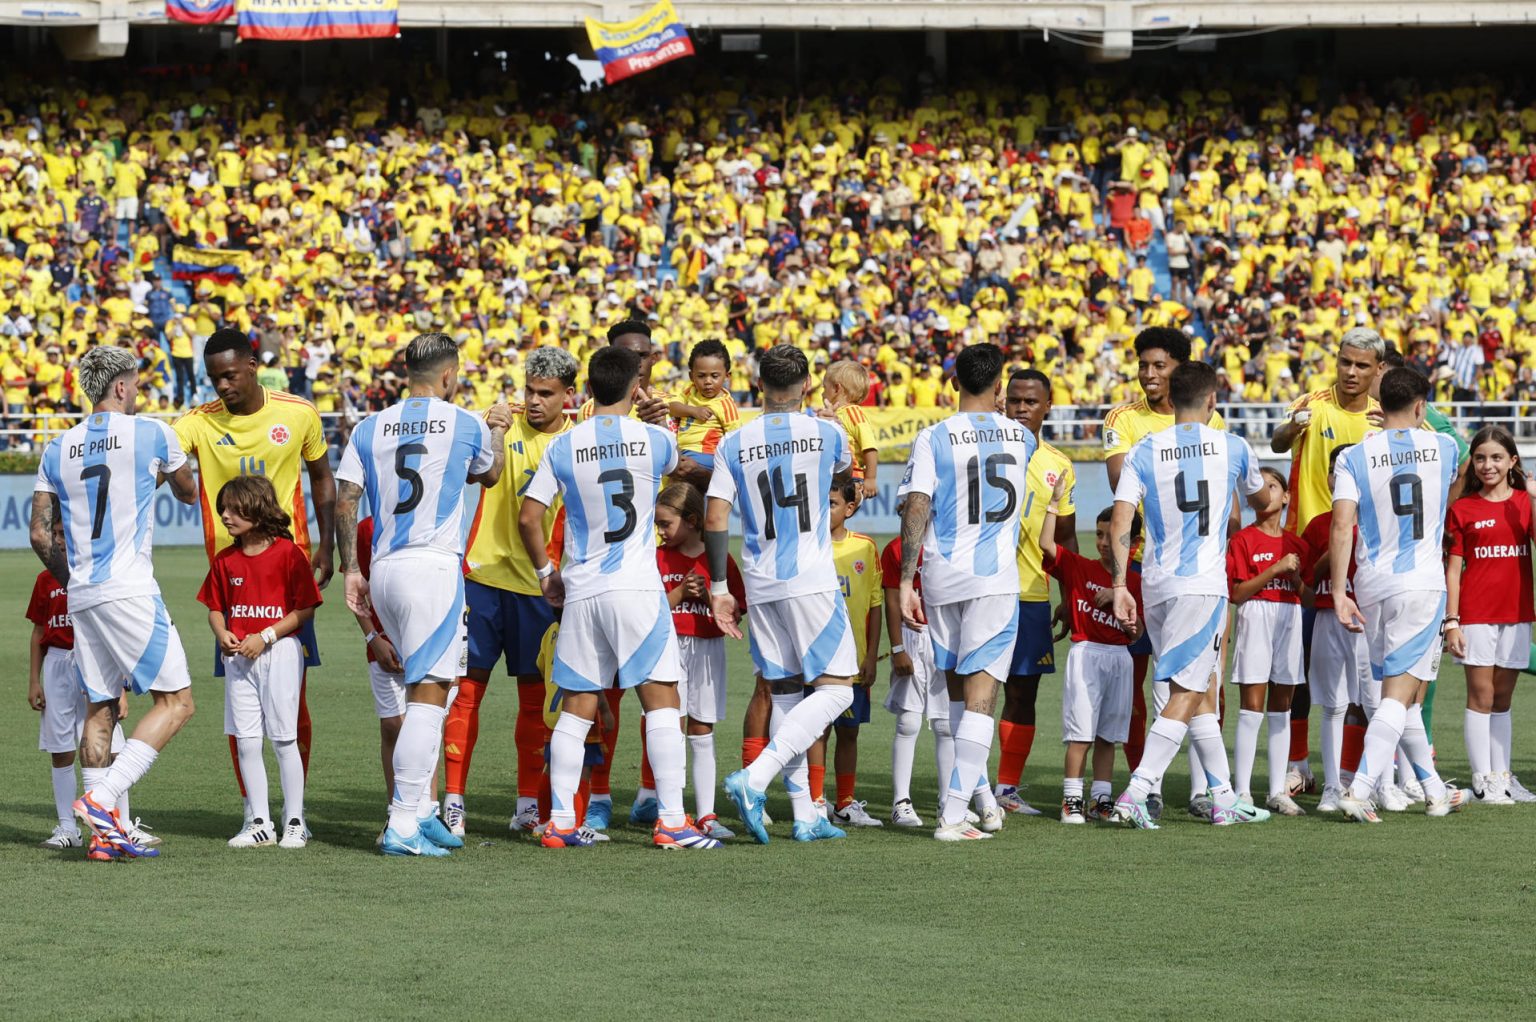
576 837
749 804
1134 812
108 828
416 844
599 814
437 833
645 810
685 838
817 830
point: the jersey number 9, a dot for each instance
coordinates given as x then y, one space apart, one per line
1408 500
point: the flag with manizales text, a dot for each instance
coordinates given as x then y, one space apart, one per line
305 20
626 48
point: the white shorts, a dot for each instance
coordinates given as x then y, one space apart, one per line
64 703
609 639
261 696
420 602
1267 644
1506 645
1186 636
702 690
975 635
388 691
126 209
1404 635
805 637
1096 693
129 643
925 690
1341 662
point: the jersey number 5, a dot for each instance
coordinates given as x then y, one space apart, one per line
409 475
995 477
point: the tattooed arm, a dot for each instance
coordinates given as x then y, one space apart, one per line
914 526
348 495
1120 561
47 540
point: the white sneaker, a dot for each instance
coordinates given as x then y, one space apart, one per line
453 818
1516 790
1415 792
961 831
1329 803
293 835
1489 790
526 818
62 837
1453 801
1072 809
1012 801
854 815
256 834
1285 806
903 815
992 819
1392 798
1358 809
139 831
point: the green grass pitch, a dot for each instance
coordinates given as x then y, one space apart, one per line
1303 919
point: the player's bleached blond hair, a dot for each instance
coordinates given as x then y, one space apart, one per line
101 366
428 353
549 363
848 376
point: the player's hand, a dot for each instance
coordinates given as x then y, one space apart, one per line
499 416
867 674
650 409
384 654
1348 614
553 588
912 607
358 601
122 707
1301 416
1061 622
323 563
228 643
1125 607
1374 418
901 665
1456 641
35 696
252 646
726 613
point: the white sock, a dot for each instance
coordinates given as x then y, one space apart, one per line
973 745
667 751
1419 757
1279 749
943 754
797 782
701 752
1205 733
118 739
91 778
1102 788
1163 740
1381 738
1477 729
130 765
1500 741
420 734
1246 748
64 795
253 767
903 752
1196 769
1332 738
123 808
567 753
290 774
798 730
1160 693
427 807
1071 786
984 797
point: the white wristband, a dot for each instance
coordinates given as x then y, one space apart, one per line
269 635
542 573
720 588
898 648
368 639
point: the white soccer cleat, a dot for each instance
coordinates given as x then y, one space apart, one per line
139 831
453 818
1361 810
1516 790
1329 803
256 834
1453 801
961 831
62 837
1392 798
526 819
854 814
1415 793
1072 809
294 835
992 818
1284 805
1012 801
1489 790
904 815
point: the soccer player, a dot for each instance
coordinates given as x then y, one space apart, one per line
967 480
706 412
1489 607
251 430
858 575
100 478
508 615
259 594
1186 477
413 460
616 624
1028 402
1395 484
777 470
917 690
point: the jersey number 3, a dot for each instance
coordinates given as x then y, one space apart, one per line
623 500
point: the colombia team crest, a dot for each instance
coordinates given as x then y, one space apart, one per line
278 434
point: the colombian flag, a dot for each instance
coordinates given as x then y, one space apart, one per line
303 20
629 47
199 12
221 264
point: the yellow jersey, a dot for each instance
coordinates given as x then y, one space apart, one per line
861 435
1128 423
274 441
553 697
858 572
1047 466
1330 427
495 553
703 436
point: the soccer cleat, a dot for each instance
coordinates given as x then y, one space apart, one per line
1392 798
139 832
1285 806
599 814
1329 803
1154 805
438 834
1517 791
293 835
1013 802
1361 810
1200 805
1414 792
1299 783
992 819
749 803
416 844
62 837
645 810
855 815
90 812
574 837
102 851
256 834
904 815
1489 790
1102 810
821 807
961 831
453 818
1238 812
767 820
1453 801
685 838
1072 809
526 818
1133 812
712 826
817 830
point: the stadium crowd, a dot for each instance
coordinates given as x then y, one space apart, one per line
885 224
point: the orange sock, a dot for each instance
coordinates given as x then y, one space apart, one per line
818 782
583 796
530 736
234 755
1015 740
647 779
1300 750
845 784
302 728
460 732
603 770
1353 747
751 748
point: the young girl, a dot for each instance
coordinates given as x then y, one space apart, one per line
1488 606
685 572
706 411
259 593
844 388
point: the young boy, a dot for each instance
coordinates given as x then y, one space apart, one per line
844 389
912 695
706 411
1096 686
1263 565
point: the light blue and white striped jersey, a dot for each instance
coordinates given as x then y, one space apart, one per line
975 467
777 470
1400 480
608 471
104 472
413 460
1184 477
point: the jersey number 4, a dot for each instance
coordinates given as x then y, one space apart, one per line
995 477
1200 504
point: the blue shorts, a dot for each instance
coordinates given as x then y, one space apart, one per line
707 460
503 623
306 634
1033 651
856 714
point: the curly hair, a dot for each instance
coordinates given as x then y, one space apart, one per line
254 499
